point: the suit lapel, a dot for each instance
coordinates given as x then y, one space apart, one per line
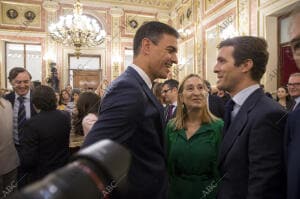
232 133
156 103
150 95
297 107
238 124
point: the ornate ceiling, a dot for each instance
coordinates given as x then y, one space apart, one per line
161 4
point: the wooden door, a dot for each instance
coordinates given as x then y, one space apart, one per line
86 79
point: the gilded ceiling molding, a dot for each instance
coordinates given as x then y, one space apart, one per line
161 4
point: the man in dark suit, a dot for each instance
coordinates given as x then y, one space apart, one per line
293 159
131 115
169 92
293 124
44 146
20 79
251 153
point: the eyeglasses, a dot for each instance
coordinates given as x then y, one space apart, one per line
165 91
293 84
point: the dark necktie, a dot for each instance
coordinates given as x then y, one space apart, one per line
228 109
170 112
21 113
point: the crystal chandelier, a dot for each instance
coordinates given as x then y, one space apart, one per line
77 30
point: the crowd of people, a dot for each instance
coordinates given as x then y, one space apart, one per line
186 140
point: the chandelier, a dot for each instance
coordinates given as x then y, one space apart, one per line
77 30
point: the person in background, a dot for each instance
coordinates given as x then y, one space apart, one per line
9 159
284 99
69 89
267 93
224 96
156 89
193 139
215 103
35 84
57 95
251 160
45 141
169 92
102 88
87 113
131 115
64 99
20 99
72 104
83 118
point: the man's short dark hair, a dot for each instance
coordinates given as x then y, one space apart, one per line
43 98
152 30
172 83
249 47
14 72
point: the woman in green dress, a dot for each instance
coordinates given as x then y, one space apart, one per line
193 139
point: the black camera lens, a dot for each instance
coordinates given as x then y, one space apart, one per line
96 172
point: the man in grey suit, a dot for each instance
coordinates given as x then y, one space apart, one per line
131 115
251 153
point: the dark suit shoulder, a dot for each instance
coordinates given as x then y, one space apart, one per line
10 97
266 104
50 116
294 117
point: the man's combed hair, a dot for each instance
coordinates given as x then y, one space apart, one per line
152 30
43 98
14 72
249 47
172 83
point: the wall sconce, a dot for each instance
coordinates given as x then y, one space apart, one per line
184 33
116 60
50 56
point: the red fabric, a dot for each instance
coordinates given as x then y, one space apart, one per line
288 65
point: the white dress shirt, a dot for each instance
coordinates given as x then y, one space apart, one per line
240 98
143 75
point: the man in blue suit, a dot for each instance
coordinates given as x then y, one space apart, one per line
293 124
131 115
251 153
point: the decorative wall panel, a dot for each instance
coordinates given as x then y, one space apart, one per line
134 21
21 14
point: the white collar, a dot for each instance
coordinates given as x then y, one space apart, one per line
297 100
143 75
27 96
241 96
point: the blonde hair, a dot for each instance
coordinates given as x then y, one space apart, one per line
181 114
